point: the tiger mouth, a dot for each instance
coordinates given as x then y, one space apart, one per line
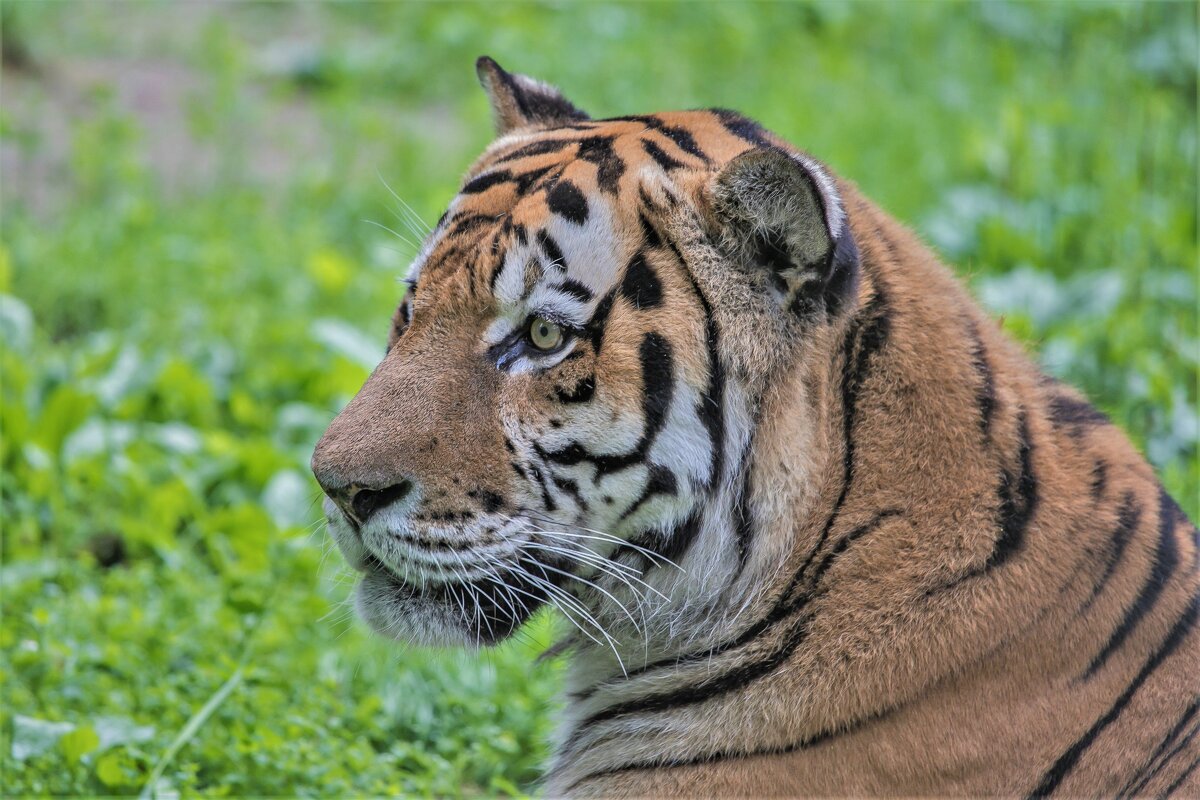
471 611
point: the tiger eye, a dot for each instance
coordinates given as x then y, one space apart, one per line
544 334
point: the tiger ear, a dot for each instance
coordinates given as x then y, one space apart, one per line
781 213
519 101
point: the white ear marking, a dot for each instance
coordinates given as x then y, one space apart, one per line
835 214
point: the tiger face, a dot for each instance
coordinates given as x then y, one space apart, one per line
560 418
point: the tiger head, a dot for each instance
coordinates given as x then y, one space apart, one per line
593 334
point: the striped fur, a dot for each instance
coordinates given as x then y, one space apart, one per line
823 529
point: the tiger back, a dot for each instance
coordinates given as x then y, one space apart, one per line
819 526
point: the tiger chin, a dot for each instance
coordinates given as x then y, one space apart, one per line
820 528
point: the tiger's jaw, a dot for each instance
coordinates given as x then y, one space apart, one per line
476 597
470 614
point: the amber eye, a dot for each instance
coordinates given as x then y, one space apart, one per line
544 334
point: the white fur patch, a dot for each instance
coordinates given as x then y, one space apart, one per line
835 214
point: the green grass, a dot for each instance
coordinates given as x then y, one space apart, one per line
190 292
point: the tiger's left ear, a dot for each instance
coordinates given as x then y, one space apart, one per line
519 101
781 213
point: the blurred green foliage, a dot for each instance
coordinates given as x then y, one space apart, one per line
190 290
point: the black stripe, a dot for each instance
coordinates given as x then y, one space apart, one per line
1067 761
704 689
575 289
598 324
1166 557
582 392
482 183
682 138
660 481
670 545
648 231
647 200
1066 410
495 276
1128 517
609 166
836 551
473 261
678 134
527 181
537 149
639 285
571 488
657 153
658 386
730 755
1017 510
553 252
985 395
568 202
468 222
1099 479
1175 784
677 542
540 480
494 247
745 129
712 402
1018 502
865 337
1161 755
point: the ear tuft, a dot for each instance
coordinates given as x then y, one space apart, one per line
519 101
781 213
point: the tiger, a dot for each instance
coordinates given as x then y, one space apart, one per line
819 527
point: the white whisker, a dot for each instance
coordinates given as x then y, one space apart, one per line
608 537
424 229
621 572
399 236
597 587
579 609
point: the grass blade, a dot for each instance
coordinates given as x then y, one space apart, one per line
189 731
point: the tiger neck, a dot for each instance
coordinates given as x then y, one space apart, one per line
836 549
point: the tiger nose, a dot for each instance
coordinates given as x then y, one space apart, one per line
361 502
